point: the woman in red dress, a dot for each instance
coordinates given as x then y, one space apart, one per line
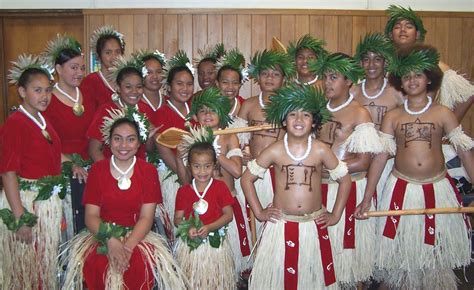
109 45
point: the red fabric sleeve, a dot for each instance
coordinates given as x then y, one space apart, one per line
92 192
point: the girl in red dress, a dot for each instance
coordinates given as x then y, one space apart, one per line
203 211
30 164
129 77
109 44
119 250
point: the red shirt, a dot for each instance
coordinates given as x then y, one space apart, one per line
71 128
93 86
240 99
218 196
93 132
26 151
167 117
122 206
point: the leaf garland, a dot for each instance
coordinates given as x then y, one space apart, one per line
416 61
309 42
337 63
396 13
376 43
215 101
270 59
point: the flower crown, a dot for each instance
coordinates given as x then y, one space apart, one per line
425 58
57 45
212 99
179 59
121 63
339 63
141 55
106 31
211 52
396 13
376 43
295 97
131 113
270 59
309 42
26 62
197 135
235 59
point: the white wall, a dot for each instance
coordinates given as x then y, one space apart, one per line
427 5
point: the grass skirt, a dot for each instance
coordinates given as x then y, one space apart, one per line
166 272
352 265
207 267
169 188
406 261
34 265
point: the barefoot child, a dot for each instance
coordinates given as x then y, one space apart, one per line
352 137
270 69
203 212
295 250
211 109
419 251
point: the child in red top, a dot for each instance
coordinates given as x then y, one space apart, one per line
210 202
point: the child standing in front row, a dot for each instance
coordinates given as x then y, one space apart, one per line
295 248
203 210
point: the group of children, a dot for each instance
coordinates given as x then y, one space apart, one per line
286 205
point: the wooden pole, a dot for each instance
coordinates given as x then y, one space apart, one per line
253 228
419 211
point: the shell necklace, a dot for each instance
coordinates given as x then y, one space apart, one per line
385 81
340 107
77 108
176 109
304 156
405 106
308 83
201 206
151 104
41 125
123 182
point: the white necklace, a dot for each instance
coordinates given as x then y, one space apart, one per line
308 83
260 100
123 106
306 153
405 105
235 107
106 82
150 104
123 182
201 206
176 109
385 81
77 109
41 125
345 104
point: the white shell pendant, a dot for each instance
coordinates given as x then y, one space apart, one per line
78 109
124 183
200 207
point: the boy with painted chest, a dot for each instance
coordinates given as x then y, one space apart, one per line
296 222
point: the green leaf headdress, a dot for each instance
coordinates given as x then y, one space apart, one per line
121 63
215 101
295 97
338 63
198 135
270 59
213 53
106 31
417 61
235 59
57 45
396 13
131 113
309 42
26 62
376 43
179 59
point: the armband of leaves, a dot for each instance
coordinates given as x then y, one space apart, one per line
26 219
107 231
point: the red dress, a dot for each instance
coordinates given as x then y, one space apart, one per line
71 128
122 207
93 132
93 86
218 196
24 149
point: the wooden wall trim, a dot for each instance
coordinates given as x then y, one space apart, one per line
40 13
223 11
3 81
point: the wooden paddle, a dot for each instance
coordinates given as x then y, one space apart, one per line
171 137
419 211
277 45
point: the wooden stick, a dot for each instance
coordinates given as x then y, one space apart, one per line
253 228
245 129
419 211
277 45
